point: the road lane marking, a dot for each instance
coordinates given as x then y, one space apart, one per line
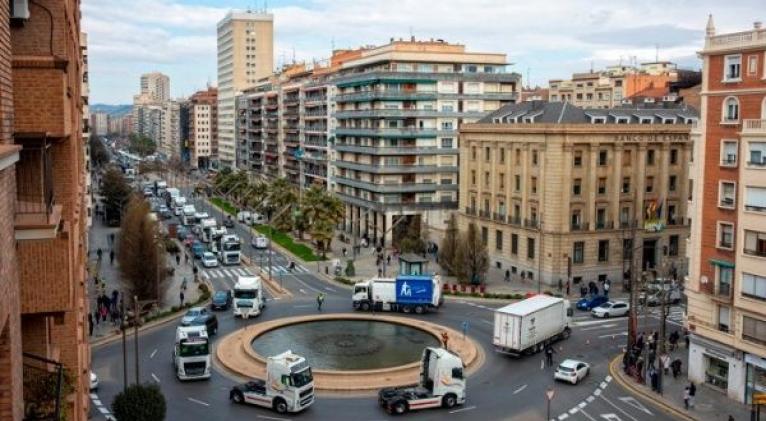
303 291
581 405
612 335
467 408
329 289
97 402
606 326
197 401
156 379
519 389
303 306
563 417
273 418
590 399
153 353
588 416
618 408
602 385
629 400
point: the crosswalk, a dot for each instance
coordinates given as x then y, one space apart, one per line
234 272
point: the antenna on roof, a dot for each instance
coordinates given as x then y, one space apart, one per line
332 44
657 53
528 72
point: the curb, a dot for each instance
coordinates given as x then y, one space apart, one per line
616 373
270 284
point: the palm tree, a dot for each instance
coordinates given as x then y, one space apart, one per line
322 212
281 194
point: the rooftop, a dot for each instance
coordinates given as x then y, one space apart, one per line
541 112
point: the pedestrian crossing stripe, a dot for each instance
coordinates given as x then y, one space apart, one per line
223 273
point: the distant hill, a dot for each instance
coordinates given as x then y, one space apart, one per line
113 110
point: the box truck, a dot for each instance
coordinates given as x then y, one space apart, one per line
406 293
528 326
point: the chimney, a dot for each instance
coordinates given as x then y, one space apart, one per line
757 25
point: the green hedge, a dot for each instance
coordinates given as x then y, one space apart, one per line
303 251
225 205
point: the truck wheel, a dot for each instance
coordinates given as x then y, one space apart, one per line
237 397
280 406
365 306
449 401
419 310
407 309
400 408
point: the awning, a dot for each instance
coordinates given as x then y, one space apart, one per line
722 263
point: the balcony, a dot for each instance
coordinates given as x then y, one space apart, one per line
382 94
723 292
396 187
400 205
738 40
400 150
470 211
514 220
500 217
578 226
382 168
401 132
532 223
484 213
754 126
404 112
37 215
604 225
315 129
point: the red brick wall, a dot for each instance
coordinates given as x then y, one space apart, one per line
716 72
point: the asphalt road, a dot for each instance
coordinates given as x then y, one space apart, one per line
503 388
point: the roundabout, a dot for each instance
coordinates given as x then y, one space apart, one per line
348 352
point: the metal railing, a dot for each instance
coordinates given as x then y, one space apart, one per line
531 223
514 220
755 252
604 225
470 211
578 226
34 180
755 208
500 217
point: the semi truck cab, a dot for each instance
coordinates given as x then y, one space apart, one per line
191 353
229 249
248 300
442 384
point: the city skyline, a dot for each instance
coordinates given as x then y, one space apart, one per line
179 37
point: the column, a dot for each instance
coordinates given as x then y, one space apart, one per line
592 184
387 222
616 188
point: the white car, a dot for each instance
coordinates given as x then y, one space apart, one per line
93 381
571 371
209 260
611 308
260 242
201 215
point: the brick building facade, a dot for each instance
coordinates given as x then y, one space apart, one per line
42 209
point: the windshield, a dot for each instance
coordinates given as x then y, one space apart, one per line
220 295
566 369
192 349
193 313
231 246
358 290
302 378
246 294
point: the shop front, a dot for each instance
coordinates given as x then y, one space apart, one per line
756 376
717 366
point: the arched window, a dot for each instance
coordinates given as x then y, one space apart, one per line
731 109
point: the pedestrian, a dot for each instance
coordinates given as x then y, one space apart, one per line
507 275
640 341
344 251
115 294
549 351
686 338
181 296
561 285
692 393
665 361
99 252
97 315
652 357
186 255
606 289
583 291
103 313
111 257
388 259
731 418
183 284
654 379
380 273
686 398
178 259
675 366
90 324
673 339
320 300
111 238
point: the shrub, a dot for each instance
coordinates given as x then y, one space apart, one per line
139 403
350 270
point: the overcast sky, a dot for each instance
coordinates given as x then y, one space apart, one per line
543 38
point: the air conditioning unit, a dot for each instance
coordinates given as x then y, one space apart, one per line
20 9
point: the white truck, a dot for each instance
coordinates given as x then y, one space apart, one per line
442 384
288 387
406 293
178 205
529 325
202 229
248 298
229 248
187 215
191 353
170 194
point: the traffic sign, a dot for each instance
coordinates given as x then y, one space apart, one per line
759 398
550 393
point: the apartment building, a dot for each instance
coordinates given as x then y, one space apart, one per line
86 132
398 109
121 125
100 123
203 127
156 85
726 287
169 143
608 88
245 55
43 303
562 192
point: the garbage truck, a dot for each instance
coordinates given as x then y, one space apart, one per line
248 298
442 384
191 353
288 387
405 293
529 325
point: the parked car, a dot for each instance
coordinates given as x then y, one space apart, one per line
93 381
611 308
571 371
260 242
589 303
221 300
209 260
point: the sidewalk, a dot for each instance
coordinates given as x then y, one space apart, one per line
709 404
110 274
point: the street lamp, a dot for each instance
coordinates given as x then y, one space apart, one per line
549 394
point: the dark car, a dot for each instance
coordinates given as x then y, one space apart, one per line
589 303
199 316
221 300
181 233
228 222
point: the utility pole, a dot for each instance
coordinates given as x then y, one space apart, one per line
123 328
135 323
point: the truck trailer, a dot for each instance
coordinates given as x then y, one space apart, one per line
528 326
406 293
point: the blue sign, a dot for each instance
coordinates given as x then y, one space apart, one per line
298 154
414 289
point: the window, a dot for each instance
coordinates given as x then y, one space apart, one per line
534 156
447 142
725 275
754 286
577 158
518 156
755 199
729 153
755 243
626 184
753 330
501 155
725 235
752 65
673 245
726 194
577 187
627 248
757 152
649 184
486 178
673 156
530 248
602 157
601 218
731 110
502 180
576 219
724 316
650 157
603 250
602 185
533 183
447 125
499 240
625 216
517 182
514 244
484 235
473 177
578 252
473 153
732 68
672 183
487 154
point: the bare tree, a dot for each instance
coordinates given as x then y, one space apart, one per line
471 259
449 246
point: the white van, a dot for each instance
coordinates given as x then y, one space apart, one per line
178 205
